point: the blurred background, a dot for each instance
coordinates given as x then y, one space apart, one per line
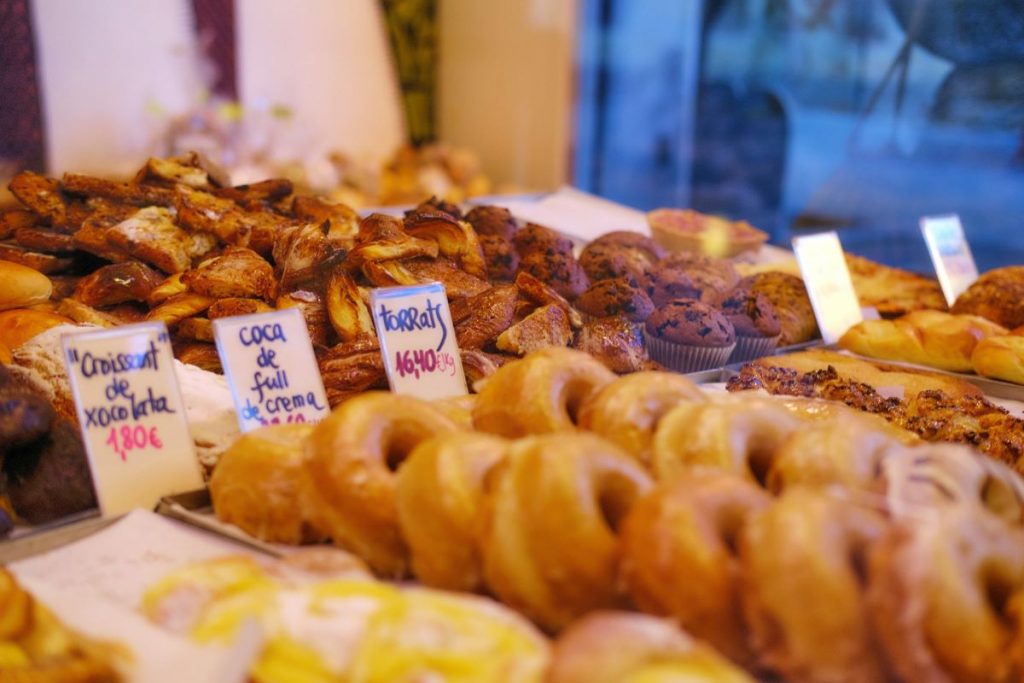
797 115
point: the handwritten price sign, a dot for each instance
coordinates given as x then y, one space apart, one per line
951 255
417 339
131 414
271 369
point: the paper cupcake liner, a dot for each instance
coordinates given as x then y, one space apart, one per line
687 358
749 348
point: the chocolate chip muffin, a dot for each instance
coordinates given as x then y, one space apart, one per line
691 276
753 317
492 220
688 336
621 254
535 238
616 296
560 271
500 255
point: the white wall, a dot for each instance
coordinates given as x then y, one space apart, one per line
108 66
329 61
102 63
506 86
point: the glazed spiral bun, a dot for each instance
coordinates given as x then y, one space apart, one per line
549 547
841 451
440 500
621 647
946 595
350 464
257 482
804 562
627 410
679 550
932 475
729 436
539 394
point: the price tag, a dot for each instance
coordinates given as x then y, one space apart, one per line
131 414
950 254
828 284
269 364
417 339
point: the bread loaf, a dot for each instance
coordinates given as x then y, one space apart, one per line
1001 357
21 286
933 338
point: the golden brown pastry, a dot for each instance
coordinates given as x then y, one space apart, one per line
258 485
549 546
680 556
350 464
19 325
803 588
997 295
945 595
21 286
627 411
440 500
933 338
540 394
117 283
1000 357
907 381
238 272
616 342
740 438
548 326
623 647
486 316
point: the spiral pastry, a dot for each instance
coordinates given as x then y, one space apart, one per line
627 411
620 647
550 547
804 577
680 559
729 436
350 464
947 597
951 474
539 394
440 500
841 451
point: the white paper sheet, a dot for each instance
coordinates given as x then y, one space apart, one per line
95 586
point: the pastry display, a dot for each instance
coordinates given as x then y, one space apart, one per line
713 513
828 518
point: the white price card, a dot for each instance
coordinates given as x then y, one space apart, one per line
951 255
131 415
828 284
417 339
271 369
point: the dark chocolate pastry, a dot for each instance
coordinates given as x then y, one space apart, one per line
50 479
501 257
616 296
